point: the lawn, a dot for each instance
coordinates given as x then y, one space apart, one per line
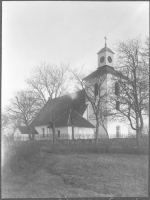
81 175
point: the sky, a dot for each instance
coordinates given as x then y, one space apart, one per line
68 32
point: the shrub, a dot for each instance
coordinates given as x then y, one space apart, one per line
122 145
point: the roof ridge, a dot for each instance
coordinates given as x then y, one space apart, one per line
69 117
61 115
83 117
105 49
80 115
63 96
102 70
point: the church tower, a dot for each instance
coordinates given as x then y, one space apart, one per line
96 88
105 56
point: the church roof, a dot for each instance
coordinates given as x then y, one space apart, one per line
72 117
54 108
105 49
103 70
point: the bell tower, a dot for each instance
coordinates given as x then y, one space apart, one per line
105 56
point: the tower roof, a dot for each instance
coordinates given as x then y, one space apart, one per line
104 70
105 49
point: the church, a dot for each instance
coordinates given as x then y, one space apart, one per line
74 113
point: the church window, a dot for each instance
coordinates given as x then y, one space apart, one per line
117 131
117 105
58 133
96 89
117 88
43 131
87 112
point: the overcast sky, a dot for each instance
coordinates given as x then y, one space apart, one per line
68 32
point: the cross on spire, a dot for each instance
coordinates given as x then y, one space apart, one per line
105 41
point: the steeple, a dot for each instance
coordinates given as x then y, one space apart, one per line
105 41
105 56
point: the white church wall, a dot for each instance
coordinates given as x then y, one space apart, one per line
111 126
47 133
102 132
124 129
63 131
81 133
85 114
60 133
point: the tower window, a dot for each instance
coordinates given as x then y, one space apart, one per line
117 105
117 88
109 59
102 59
96 89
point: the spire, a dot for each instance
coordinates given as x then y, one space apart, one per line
105 41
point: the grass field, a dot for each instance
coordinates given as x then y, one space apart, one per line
81 175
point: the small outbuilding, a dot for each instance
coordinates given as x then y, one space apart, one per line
22 133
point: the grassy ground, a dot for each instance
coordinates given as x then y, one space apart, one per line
80 175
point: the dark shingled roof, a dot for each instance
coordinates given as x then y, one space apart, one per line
71 117
103 70
105 49
25 130
60 105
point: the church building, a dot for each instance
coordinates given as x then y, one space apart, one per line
74 113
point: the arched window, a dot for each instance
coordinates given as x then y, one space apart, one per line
117 88
43 131
117 105
117 131
58 131
96 89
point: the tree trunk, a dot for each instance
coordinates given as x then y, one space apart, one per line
138 139
138 134
141 126
33 136
107 135
96 134
72 132
30 138
53 129
107 141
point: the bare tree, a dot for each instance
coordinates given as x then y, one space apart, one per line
97 99
5 122
144 54
133 92
55 109
23 108
49 81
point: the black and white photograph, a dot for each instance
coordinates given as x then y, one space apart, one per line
75 99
